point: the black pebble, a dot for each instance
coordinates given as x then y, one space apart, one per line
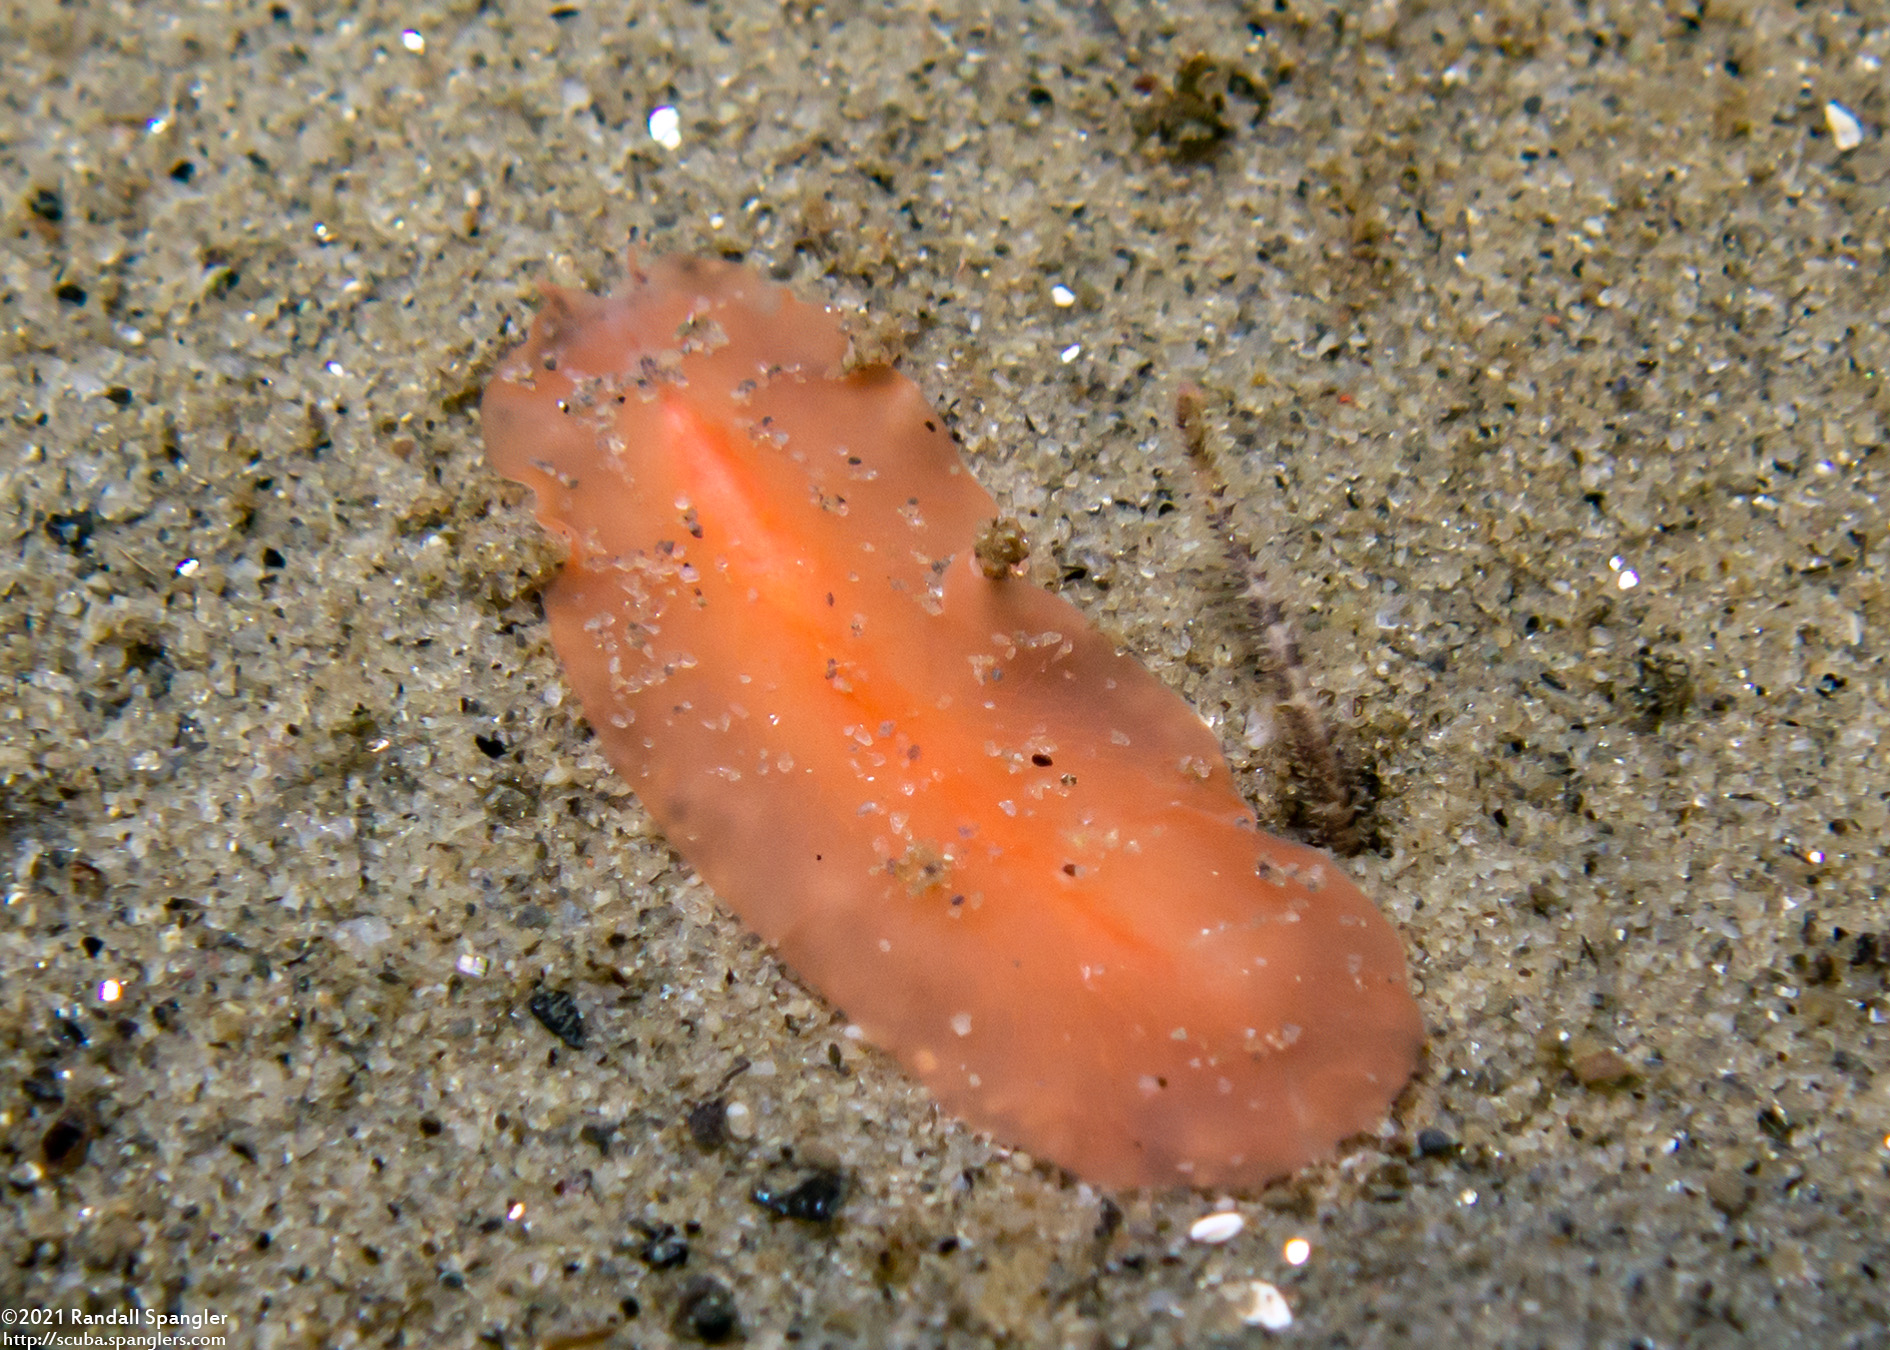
559 1014
665 1250
1435 1144
65 1143
708 1123
816 1200
72 531
707 1311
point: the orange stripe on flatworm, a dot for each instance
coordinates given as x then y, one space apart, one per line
1009 853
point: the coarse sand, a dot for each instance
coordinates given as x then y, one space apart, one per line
347 997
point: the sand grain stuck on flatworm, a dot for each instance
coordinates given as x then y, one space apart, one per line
1008 852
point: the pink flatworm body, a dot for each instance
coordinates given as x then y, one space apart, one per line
1011 855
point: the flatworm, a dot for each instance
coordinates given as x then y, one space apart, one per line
1010 854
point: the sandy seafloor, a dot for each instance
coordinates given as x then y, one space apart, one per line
1550 343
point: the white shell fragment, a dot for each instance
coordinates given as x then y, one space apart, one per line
666 127
1213 1228
1847 133
1266 1307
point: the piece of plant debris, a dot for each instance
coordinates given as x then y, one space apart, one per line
1191 120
